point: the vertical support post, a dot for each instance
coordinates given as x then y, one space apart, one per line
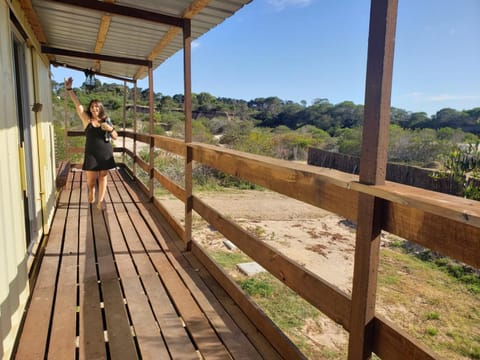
373 163
134 164
124 116
187 102
65 125
152 142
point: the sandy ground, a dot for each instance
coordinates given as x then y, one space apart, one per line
318 240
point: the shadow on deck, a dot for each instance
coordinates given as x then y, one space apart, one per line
115 284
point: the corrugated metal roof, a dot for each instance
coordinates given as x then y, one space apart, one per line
68 29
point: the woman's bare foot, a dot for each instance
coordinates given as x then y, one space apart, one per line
101 205
91 195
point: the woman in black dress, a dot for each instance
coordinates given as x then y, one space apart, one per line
98 149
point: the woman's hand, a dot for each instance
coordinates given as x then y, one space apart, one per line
68 83
106 127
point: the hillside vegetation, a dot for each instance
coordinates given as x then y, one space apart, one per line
446 141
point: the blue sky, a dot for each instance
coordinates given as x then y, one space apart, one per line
308 49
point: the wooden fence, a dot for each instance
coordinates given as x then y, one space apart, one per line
403 174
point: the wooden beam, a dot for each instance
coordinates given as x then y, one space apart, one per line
373 163
59 64
193 9
162 44
103 30
32 17
169 144
151 108
325 188
125 11
170 185
324 296
79 54
187 104
393 343
102 35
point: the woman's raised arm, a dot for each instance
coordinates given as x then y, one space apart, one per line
79 107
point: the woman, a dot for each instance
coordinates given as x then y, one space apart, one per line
98 149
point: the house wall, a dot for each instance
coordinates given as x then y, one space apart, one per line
15 257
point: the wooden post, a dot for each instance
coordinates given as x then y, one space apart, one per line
187 102
124 115
134 164
152 143
373 163
65 125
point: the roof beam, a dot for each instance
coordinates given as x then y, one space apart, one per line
33 20
79 54
102 35
193 9
125 11
59 64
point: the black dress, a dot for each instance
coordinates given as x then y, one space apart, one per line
98 152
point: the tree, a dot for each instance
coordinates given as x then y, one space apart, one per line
206 102
346 114
349 141
399 117
418 120
258 141
448 118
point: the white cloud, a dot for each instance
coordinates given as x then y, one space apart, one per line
282 4
415 94
441 97
195 44
447 97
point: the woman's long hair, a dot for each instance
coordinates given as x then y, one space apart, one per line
101 113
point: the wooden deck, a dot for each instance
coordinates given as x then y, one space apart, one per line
114 284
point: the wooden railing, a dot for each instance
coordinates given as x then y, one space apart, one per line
446 224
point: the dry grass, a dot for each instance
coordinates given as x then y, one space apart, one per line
429 304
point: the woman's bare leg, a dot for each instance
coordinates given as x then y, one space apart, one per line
102 186
91 179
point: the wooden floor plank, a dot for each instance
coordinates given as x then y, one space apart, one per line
33 340
63 334
204 335
236 341
91 339
206 339
178 342
119 334
146 329
120 337
176 337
